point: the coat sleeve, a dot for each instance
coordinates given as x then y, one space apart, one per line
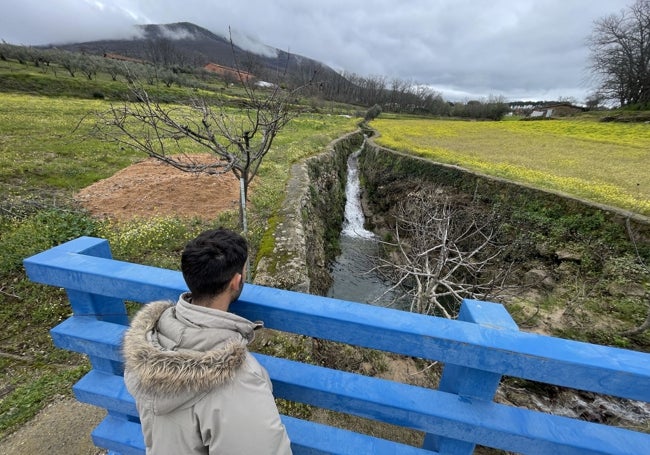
242 418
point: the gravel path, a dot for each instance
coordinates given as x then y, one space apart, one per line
62 428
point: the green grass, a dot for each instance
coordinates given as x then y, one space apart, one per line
41 151
32 393
608 163
44 160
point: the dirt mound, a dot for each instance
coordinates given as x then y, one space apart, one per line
152 188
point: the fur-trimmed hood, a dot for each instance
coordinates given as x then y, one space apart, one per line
174 354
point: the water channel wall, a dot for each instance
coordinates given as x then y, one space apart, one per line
381 167
306 230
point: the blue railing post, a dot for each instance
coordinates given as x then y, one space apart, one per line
85 304
470 383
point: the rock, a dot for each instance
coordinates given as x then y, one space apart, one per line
626 290
544 250
567 268
568 255
539 277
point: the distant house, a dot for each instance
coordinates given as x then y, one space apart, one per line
555 110
546 113
228 72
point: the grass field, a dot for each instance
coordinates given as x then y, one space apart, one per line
44 160
608 163
40 150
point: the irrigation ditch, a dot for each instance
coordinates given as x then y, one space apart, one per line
570 278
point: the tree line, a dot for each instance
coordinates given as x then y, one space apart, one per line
163 65
118 68
399 96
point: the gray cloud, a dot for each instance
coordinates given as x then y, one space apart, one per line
533 49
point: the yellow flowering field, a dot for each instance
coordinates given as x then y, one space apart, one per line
607 163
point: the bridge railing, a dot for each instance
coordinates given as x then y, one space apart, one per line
479 348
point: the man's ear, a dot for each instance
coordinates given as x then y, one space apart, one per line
235 282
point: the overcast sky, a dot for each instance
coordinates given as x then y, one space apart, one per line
518 49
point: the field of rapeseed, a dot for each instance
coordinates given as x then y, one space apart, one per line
607 163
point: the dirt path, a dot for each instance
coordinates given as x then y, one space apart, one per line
62 428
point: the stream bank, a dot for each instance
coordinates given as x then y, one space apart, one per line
305 233
574 275
576 264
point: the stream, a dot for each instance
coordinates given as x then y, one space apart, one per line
354 280
351 271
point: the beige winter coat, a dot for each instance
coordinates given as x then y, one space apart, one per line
197 388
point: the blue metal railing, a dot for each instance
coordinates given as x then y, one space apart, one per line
477 350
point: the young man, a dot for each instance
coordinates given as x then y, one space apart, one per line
197 388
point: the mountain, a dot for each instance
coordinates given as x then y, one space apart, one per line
185 44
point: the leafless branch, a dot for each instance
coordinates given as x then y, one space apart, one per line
442 254
238 139
646 324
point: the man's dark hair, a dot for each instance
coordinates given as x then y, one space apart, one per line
211 260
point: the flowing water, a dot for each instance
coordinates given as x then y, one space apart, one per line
353 278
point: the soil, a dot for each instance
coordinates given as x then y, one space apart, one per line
142 190
62 428
152 188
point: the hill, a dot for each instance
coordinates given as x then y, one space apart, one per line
184 44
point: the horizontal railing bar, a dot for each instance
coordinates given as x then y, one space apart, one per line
90 336
599 369
485 423
109 392
315 439
119 435
432 411
106 277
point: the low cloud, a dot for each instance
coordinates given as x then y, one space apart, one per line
177 34
254 45
527 48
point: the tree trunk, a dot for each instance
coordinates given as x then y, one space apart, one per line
243 219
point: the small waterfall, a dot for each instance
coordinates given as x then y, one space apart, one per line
352 274
353 225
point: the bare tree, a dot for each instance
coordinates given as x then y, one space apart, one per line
620 54
442 253
238 138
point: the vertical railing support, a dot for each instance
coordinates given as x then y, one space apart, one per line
470 383
85 304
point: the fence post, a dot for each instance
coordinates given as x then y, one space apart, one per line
85 304
470 383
